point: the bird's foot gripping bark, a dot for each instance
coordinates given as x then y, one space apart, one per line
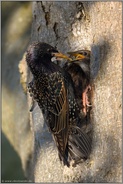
85 100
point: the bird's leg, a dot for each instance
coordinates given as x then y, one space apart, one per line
85 100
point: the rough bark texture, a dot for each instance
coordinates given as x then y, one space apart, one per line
84 25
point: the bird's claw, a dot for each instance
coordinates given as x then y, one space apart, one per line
89 105
85 100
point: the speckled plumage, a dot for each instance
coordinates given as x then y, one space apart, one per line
53 90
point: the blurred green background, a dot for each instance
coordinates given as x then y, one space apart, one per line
11 163
16 30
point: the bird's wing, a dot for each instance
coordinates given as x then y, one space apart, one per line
58 110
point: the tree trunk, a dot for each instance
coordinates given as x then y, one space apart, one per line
95 26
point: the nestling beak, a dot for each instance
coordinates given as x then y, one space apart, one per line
78 56
60 55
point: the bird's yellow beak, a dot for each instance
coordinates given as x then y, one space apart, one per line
77 55
60 55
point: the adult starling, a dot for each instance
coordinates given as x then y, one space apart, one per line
53 90
79 69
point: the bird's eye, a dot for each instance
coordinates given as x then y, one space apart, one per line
85 53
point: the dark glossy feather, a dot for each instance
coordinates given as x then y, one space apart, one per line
53 89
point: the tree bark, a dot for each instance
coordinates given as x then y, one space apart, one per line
84 25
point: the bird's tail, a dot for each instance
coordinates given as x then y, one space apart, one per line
79 144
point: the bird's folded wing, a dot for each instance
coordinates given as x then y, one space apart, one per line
58 109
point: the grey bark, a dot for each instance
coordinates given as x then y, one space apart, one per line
83 25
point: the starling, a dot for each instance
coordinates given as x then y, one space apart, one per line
79 69
53 90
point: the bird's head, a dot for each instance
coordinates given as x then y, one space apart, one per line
81 58
41 53
80 55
